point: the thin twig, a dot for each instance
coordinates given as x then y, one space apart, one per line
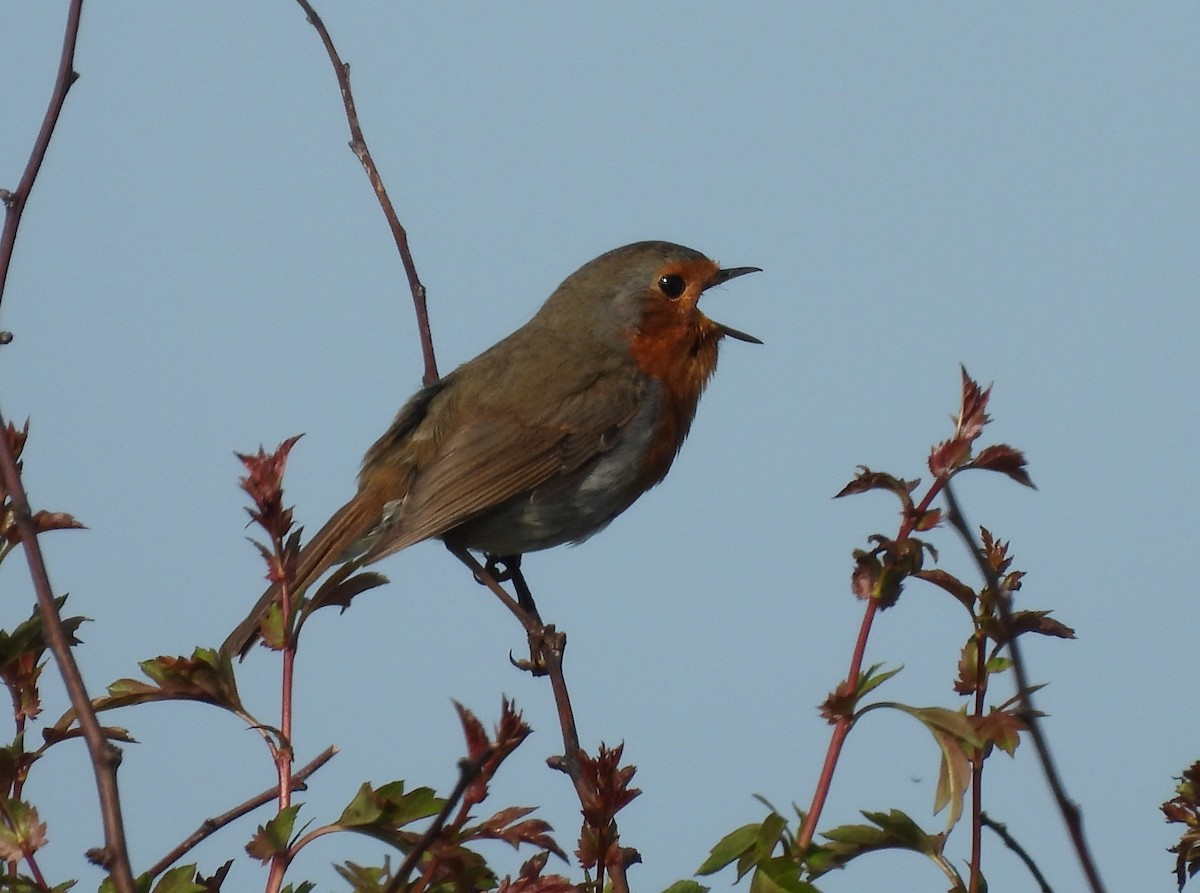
358 145
468 771
15 201
546 646
214 824
1011 842
106 756
1071 814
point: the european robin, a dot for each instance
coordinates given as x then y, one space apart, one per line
545 437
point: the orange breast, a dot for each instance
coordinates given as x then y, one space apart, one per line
681 354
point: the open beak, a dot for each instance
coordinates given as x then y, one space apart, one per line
722 277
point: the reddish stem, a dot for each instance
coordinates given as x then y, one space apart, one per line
283 752
841 727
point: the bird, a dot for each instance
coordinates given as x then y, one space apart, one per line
547 436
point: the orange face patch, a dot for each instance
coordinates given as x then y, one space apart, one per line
676 345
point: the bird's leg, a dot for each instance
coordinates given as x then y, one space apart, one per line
505 568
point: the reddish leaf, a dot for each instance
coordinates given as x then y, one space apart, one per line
951 584
866 479
506 825
1002 728
948 456
609 781
863 578
531 880
42 522
839 703
16 438
510 732
995 551
1021 622
478 745
1004 459
263 483
512 728
608 792
926 520
969 675
972 412
339 592
1185 809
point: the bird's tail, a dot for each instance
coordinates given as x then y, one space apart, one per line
349 524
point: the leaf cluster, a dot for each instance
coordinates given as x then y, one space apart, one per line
1184 809
965 736
281 623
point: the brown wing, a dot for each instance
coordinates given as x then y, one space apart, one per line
506 441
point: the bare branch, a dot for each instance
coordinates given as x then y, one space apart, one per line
358 145
15 201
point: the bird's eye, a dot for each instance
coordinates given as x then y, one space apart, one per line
672 286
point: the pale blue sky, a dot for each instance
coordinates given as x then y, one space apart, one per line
203 268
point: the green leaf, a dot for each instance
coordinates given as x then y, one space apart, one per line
872 679
305 887
382 812
273 837
141 884
953 722
954 777
363 809
892 830
19 883
955 736
688 886
29 637
779 875
181 879
998 664
729 848
363 878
